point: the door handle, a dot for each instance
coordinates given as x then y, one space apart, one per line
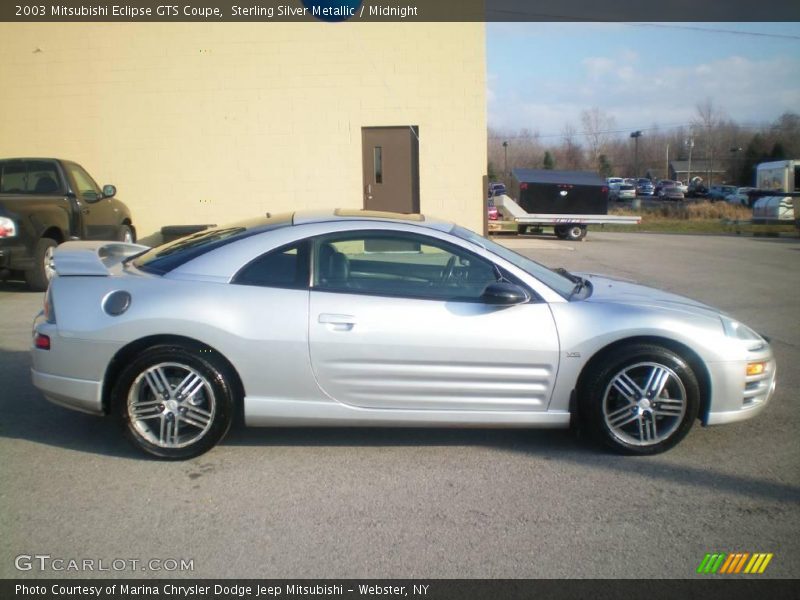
338 322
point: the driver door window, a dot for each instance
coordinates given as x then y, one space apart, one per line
87 188
392 264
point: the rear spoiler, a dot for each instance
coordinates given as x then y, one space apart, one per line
92 259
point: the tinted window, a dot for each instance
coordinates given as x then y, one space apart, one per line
13 178
42 178
29 177
285 267
395 264
165 258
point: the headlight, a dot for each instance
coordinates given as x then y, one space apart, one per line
740 331
7 227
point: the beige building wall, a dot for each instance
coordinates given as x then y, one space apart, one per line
208 123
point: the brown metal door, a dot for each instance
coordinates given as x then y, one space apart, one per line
391 168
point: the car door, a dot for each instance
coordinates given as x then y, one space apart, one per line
396 322
99 217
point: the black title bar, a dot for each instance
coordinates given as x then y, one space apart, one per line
337 11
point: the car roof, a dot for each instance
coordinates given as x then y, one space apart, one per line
348 214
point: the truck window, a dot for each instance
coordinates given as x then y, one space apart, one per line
87 188
42 178
796 178
12 177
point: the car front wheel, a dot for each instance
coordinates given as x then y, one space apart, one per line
641 400
174 401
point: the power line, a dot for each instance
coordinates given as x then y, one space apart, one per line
784 36
669 127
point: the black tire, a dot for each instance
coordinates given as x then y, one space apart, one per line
522 229
126 234
205 414
617 408
38 277
560 231
575 233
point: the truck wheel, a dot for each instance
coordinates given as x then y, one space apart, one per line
560 231
575 233
126 234
522 229
39 275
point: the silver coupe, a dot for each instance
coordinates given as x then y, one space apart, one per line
353 318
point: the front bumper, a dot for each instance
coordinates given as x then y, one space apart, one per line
737 397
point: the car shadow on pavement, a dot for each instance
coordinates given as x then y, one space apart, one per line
526 440
26 415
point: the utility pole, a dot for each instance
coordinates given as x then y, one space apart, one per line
505 162
690 143
636 135
666 164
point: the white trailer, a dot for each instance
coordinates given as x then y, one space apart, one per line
565 226
779 176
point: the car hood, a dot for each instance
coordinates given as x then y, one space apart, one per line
607 289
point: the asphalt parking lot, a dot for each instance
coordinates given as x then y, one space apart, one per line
426 503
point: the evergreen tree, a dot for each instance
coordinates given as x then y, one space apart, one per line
549 162
603 166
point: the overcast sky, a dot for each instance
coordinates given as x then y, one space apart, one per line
542 75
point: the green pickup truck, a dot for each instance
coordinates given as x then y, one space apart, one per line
47 201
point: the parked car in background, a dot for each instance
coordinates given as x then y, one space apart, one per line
621 191
492 211
613 180
661 183
496 189
47 201
720 192
291 319
697 189
682 186
670 191
644 187
740 196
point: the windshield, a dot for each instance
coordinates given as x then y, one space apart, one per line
555 281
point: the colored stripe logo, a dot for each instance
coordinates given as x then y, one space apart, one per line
734 563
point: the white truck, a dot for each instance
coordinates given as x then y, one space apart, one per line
782 179
782 176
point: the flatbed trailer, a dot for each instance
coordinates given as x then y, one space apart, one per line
565 226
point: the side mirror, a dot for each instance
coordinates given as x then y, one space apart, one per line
109 191
503 293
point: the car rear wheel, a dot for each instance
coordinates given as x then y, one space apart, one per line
174 401
641 400
39 275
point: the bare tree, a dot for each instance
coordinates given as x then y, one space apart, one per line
708 126
571 153
598 129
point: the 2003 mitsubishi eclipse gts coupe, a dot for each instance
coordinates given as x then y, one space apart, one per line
354 318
